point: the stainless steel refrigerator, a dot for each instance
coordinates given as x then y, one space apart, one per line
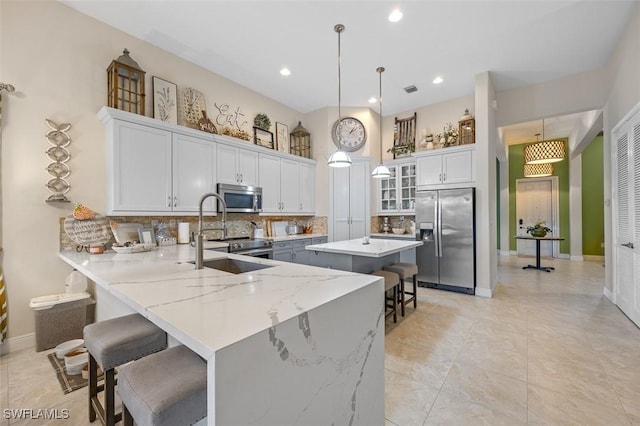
446 225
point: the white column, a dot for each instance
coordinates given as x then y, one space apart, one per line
575 208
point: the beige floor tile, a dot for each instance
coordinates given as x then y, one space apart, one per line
547 407
473 396
407 401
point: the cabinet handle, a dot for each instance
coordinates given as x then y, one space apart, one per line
294 255
241 177
175 201
300 206
440 177
444 177
169 201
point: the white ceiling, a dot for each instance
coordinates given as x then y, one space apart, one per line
522 42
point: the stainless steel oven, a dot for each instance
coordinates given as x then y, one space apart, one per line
254 248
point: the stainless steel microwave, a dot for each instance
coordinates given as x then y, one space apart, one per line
241 198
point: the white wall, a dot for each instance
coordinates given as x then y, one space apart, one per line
622 72
57 60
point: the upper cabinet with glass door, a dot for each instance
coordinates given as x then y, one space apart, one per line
397 193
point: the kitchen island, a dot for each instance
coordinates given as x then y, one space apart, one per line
288 344
357 256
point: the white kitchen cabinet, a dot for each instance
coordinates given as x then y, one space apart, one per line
446 167
349 197
193 173
397 193
154 171
139 162
236 166
287 185
307 188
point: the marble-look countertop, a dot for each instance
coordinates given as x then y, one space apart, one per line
375 248
391 235
209 309
295 237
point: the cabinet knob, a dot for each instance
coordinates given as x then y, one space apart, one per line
440 177
175 201
444 177
169 201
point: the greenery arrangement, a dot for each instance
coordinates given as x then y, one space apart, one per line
262 121
449 136
539 229
403 149
236 133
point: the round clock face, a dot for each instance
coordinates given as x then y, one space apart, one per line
349 134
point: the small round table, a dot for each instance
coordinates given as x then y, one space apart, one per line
538 239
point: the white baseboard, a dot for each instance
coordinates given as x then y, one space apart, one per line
593 258
564 256
19 343
577 258
483 292
513 253
505 253
609 295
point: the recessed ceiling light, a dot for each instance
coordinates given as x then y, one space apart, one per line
285 71
438 80
395 16
373 100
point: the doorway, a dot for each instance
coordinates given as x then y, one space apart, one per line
537 201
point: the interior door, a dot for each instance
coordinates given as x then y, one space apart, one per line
626 158
535 202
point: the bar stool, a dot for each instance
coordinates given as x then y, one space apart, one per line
167 388
110 344
406 270
391 282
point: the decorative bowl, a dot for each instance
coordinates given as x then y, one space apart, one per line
398 230
136 248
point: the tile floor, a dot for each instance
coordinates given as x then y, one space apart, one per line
548 349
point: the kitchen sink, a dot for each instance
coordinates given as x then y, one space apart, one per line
233 266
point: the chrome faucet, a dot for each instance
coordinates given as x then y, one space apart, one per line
200 236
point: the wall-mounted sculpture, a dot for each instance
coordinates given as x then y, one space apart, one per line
59 139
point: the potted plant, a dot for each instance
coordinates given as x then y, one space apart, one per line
538 230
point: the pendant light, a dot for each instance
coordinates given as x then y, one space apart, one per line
381 171
545 151
339 158
538 170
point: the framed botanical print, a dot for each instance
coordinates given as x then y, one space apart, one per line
282 137
165 101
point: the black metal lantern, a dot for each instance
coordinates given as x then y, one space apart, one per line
125 84
300 142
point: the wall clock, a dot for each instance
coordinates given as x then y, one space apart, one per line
349 134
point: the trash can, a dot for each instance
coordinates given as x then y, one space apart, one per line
61 317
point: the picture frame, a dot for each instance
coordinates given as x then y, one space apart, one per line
165 100
263 137
282 137
146 235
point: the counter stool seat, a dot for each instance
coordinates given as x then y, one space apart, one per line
391 282
167 388
110 344
406 270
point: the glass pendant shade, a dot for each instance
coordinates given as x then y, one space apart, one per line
544 152
339 159
538 170
381 172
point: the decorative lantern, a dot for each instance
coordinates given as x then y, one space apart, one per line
300 142
466 129
125 84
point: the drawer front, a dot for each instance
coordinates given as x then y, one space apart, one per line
318 240
302 243
282 245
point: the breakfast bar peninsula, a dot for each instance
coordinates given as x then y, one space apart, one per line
284 343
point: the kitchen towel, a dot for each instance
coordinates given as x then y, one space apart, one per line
183 233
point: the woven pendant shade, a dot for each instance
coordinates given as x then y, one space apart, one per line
544 152
538 170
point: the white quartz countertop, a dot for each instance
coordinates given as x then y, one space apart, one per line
209 309
390 235
375 248
295 237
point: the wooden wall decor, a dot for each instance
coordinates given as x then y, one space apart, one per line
404 136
